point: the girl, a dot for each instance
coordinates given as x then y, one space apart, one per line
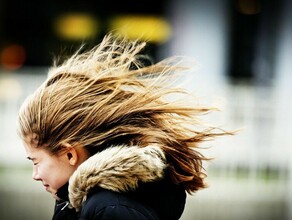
107 141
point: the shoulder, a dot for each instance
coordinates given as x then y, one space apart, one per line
106 204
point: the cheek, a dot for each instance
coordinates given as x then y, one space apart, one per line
45 172
59 174
49 172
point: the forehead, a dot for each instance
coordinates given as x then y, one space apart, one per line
33 150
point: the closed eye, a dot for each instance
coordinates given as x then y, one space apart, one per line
33 160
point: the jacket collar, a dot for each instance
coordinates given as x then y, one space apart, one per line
119 169
62 193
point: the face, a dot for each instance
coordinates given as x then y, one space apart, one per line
52 170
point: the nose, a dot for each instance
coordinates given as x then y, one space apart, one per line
35 174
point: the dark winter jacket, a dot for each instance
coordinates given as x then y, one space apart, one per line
121 183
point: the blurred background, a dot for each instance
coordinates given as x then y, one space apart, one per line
243 49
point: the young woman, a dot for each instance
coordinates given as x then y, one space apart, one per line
108 139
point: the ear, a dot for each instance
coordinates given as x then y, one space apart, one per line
72 156
75 155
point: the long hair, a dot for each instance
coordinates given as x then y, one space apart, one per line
106 96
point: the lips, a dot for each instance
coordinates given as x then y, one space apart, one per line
46 186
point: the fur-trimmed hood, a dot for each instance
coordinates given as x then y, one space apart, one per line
118 168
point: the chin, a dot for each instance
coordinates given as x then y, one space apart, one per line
53 193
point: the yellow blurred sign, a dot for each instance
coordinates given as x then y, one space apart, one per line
145 27
76 26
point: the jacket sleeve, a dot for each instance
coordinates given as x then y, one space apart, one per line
107 205
122 213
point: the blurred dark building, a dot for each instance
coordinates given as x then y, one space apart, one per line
33 32
254 29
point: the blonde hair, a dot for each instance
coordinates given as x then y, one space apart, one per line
106 96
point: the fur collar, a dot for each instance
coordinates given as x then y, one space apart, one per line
118 169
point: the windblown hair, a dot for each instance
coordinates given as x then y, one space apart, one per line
106 97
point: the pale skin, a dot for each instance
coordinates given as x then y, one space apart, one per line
54 171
